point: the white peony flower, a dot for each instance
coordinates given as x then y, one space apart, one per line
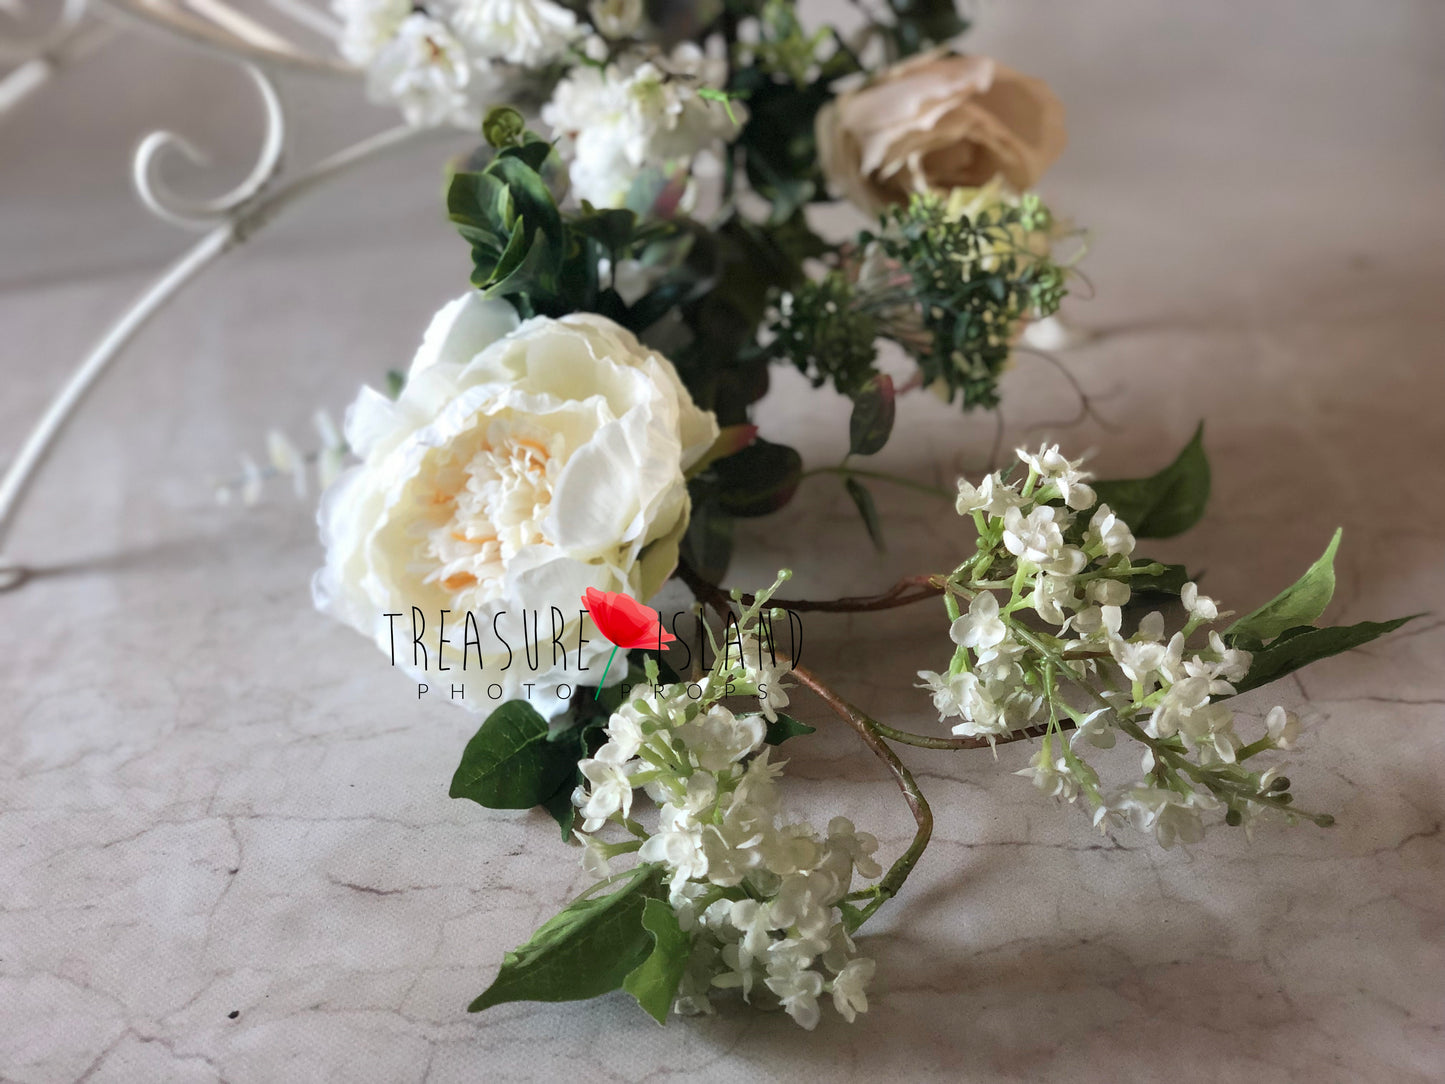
522 464
424 70
527 33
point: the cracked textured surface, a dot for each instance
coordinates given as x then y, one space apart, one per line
226 850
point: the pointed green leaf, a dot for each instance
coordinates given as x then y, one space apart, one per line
510 763
473 199
1297 605
531 196
871 422
785 727
534 152
1301 646
731 439
584 951
654 981
708 544
863 500
1167 503
561 809
1168 580
759 479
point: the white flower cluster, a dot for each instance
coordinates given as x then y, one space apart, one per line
641 113
641 117
439 62
758 893
285 460
1039 555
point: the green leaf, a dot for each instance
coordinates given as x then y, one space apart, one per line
1297 647
586 950
510 763
1169 580
612 228
395 383
919 23
867 509
731 439
476 200
654 982
785 727
1167 503
1297 605
531 196
561 809
534 152
708 544
852 915
872 418
759 479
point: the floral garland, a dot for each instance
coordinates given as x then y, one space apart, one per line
576 429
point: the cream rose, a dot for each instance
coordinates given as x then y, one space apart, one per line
523 463
936 122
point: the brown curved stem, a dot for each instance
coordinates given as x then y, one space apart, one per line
868 729
905 592
928 741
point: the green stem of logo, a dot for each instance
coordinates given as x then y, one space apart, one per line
608 667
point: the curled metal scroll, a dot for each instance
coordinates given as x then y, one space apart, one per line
228 219
19 46
190 213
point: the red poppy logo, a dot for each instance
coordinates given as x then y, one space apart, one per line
625 623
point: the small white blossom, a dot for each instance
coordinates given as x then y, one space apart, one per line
1108 533
367 25
286 458
425 71
858 846
608 790
1200 607
616 18
980 628
1282 726
1064 474
1035 537
1051 775
989 496
639 113
527 33
848 987
798 991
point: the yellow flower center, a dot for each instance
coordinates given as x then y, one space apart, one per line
490 493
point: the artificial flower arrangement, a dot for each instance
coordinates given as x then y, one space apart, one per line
575 430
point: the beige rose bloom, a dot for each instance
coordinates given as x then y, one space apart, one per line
936 122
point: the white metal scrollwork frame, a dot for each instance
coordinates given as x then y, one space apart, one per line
228 220
35 57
